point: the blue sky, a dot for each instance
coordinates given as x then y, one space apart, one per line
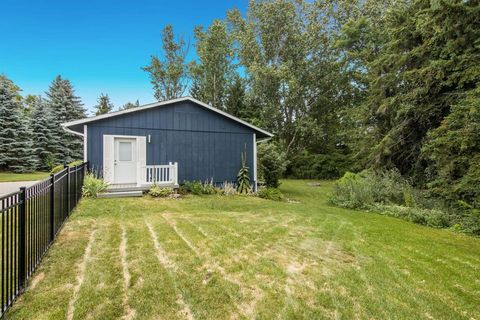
100 46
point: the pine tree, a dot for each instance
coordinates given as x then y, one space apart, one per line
430 60
25 158
130 105
41 125
16 151
104 105
65 106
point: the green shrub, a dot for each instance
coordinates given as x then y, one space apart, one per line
387 192
60 167
197 187
430 217
92 185
57 169
228 189
75 163
270 194
318 166
364 189
209 188
272 163
157 191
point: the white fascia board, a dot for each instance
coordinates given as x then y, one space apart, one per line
72 132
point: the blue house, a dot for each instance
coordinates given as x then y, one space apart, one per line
167 143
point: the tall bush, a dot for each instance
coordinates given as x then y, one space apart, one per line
272 163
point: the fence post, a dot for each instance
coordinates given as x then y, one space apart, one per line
22 238
52 207
68 189
76 190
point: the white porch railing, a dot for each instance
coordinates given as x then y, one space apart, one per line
161 174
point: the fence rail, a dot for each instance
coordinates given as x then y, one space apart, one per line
30 220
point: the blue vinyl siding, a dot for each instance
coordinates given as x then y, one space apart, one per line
206 145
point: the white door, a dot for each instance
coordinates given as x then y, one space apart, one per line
125 161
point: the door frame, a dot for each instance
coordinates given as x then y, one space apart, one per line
109 156
121 172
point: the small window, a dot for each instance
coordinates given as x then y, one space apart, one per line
125 151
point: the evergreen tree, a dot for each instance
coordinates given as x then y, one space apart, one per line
104 105
65 106
26 158
41 124
29 103
130 105
16 151
240 105
428 63
453 152
235 102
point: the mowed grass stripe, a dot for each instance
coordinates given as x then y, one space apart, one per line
56 277
250 293
171 268
244 257
152 291
213 298
99 296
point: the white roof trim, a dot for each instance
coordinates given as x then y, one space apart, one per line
158 104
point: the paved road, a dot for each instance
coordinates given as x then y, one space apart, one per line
7 187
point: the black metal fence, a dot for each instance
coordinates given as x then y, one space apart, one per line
30 220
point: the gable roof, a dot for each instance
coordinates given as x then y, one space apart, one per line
72 125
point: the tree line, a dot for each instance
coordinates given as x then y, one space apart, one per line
31 135
345 85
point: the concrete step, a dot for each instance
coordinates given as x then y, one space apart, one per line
125 189
120 194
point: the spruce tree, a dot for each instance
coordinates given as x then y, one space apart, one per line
65 106
25 158
16 151
41 125
104 105
130 105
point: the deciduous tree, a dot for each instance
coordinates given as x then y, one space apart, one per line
169 74
213 73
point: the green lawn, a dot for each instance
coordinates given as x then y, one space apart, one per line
215 257
11 177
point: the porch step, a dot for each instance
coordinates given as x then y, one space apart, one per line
125 189
120 194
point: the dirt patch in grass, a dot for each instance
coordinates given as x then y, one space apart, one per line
36 280
327 251
81 274
129 312
170 267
